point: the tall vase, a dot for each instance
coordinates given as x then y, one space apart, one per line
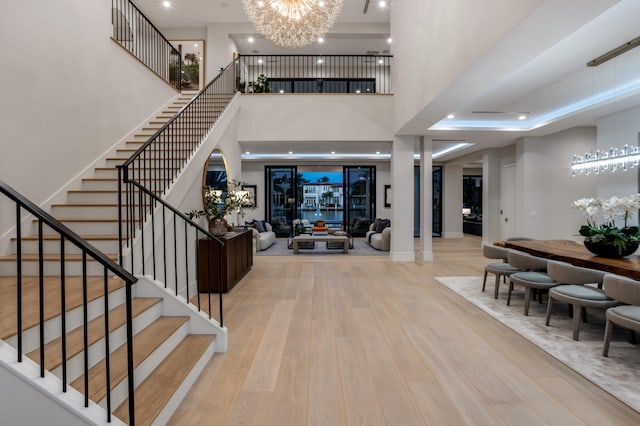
218 226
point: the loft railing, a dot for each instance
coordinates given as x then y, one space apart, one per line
110 268
170 236
314 74
133 31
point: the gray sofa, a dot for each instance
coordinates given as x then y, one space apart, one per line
379 240
263 240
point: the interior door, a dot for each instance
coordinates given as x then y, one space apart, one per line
507 227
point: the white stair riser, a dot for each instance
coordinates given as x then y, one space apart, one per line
85 212
144 369
30 268
53 246
88 228
52 327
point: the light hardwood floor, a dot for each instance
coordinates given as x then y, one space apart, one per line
342 340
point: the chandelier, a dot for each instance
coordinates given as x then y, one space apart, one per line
292 23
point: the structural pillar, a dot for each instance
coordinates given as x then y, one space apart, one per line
426 198
491 194
402 199
452 202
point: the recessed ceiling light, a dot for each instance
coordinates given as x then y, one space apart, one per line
166 4
382 3
195 44
251 39
522 117
377 152
290 152
320 39
451 116
389 40
357 91
248 152
320 61
380 61
259 61
333 152
281 90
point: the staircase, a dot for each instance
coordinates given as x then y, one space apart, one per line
167 356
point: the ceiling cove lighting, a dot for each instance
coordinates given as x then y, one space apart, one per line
293 23
450 149
316 156
602 161
609 95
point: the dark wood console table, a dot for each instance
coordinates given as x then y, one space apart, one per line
576 254
236 260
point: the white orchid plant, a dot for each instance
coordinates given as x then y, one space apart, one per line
610 210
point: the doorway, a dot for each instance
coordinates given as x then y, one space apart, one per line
507 212
192 53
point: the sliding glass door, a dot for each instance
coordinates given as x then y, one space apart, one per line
360 198
282 196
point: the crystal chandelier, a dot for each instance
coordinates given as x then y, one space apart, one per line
292 23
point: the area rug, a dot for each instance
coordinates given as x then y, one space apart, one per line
619 374
360 248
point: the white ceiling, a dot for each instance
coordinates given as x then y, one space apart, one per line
538 69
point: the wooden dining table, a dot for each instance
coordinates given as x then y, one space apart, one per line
576 254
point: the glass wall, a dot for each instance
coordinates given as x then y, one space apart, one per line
437 202
360 198
281 186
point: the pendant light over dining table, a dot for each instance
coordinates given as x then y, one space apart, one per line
292 23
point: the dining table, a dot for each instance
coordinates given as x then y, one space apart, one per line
576 254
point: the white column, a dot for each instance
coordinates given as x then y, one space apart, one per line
426 198
452 202
491 171
402 199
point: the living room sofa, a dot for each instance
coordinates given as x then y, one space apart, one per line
263 240
379 240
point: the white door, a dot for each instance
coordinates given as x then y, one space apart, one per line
508 209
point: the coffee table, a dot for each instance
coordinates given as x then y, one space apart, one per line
335 239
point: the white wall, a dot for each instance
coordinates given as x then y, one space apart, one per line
438 40
220 47
545 187
615 131
316 118
69 93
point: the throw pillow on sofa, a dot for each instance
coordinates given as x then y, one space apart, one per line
260 226
381 224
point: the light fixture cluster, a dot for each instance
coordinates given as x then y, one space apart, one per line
292 23
602 161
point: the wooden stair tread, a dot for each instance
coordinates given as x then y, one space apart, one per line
30 298
153 394
75 337
144 343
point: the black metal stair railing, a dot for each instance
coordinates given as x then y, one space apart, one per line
356 74
110 268
167 238
133 31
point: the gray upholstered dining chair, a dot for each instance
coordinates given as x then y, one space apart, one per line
625 290
572 289
500 269
533 275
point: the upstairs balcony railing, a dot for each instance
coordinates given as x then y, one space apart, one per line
133 31
314 74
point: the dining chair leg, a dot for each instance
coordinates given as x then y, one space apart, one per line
607 338
509 294
527 300
577 319
495 292
484 282
548 317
